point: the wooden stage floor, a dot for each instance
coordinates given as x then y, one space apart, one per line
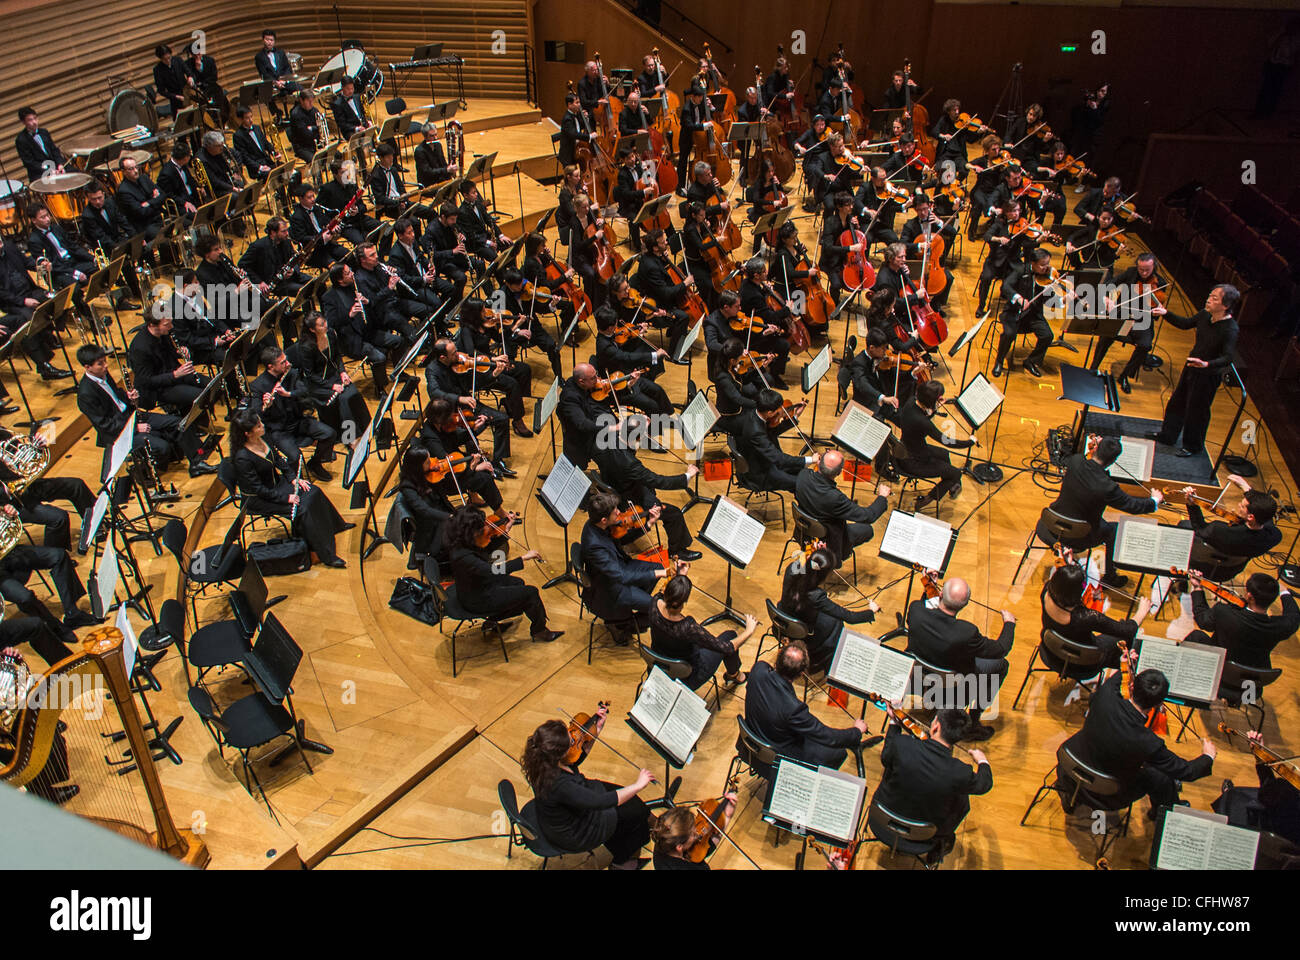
419 754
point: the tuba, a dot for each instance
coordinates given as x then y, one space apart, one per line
27 459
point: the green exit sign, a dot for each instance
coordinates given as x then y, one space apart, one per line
1069 48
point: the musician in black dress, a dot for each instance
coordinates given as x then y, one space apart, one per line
675 634
576 814
1086 247
451 432
427 506
924 459
338 403
485 581
804 597
1064 612
268 481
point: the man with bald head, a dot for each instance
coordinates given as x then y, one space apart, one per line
935 635
847 522
583 419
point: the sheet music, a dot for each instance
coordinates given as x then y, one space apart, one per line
121 447
130 647
979 400
106 577
916 538
97 511
859 432
792 794
816 368
688 341
823 800
673 715
862 664
655 702
1136 457
1142 542
1190 842
733 531
697 420
546 406
1192 669
357 458
565 488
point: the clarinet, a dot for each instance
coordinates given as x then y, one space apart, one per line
400 282
293 508
240 275
183 353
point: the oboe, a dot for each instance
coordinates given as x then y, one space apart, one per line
392 272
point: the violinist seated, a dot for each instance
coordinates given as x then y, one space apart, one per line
988 177
676 836
847 522
1095 245
1064 169
1016 186
779 717
763 305
873 386
916 423
1116 740
629 306
653 281
908 159
736 378
486 586
804 597
450 432
574 129
922 780
421 291
674 634
529 330
575 814
426 504
756 439
636 484
1024 295
879 201
1273 806
953 132
620 585
1105 197
1066 612
1087 489
937 636
1007 248
699 242
480 335
1247 532
915 234
307 223
1143 273
1248 633
279 396
629 196
586 422
618 350
459 388
811 147
840 171
349 320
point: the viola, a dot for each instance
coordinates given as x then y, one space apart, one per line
625 521
582 733
476 364
635 300
1227 514
744 323
1071 167
1032 190
1222 592
438 468
847 159
1127 211
493 319
1025 227
858 271
705 835
497 525
749 361
889 191
627 331
909 362
955 192
1109 237
1280 765
1042 131
788 412
966 121
606 385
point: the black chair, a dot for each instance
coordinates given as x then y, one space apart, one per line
808 530
247 521
1081 662
740 478
524 831
246 724
897 453
676 670
1210 560
1077 783
449 606
621 629
781 627
915 838
1242 687
1064 529
208 567
754 756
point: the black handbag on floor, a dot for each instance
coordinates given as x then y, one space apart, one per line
415 599
279 557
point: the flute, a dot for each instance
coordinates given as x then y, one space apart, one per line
293 508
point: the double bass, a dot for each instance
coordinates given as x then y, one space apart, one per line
710 149
774 149
713 77
858 271
920 117
669 121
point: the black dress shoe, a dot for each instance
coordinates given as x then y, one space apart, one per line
1124 384
502 471
336 562
1155 435
547 636
997 369
1033 369
690 556
75 619
1184 452
521 429
319 472
49 371
200 469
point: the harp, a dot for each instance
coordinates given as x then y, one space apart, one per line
102 746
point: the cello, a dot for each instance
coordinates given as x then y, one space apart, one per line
669 121
919 116
569 288
818 304
858 271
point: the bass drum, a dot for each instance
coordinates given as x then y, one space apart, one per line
131 108
370 79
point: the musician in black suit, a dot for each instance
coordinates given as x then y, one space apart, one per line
848 523
1145 307
1249 533
305 130
514 377
386 183
280 394
778 716
140 200
379 286
71 262
335 197
103 226
273 65
916 422
693 119
270 485
460 390
162 375
583 418
170 78
346 312
178 184
630 197
36 147
873 387
770 467
307 225
431 163
19 298
193 323
216 273
631 357
530 330
1087 489
1005 251
482 235
923 781
252 146
1025 296
1248 633
1116 741
349 110
16 569
267 257
636 485
443 242
936 636
574 129
423 291
653 281
450 431
222 174
620 585
34 504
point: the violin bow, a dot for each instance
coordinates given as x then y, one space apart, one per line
723 833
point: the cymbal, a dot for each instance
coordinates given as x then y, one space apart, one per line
88 143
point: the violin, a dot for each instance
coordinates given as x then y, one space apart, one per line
497 525
1032 190
1280 765
889 191
1227 514
749 361
635 300
1109 237
1093 597
477 363
1156 721
627 331
1072 167
744 323
438 468
909 362
582 733
847 159
1222 592
788 412
705 834
966 121
1025 227
494 319
1125 210
607 385
625 521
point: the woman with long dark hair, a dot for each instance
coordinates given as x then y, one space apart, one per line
484 582
427 506
674 634
266 478
577 814
803 596
332 391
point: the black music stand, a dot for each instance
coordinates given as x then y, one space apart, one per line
811 381
573 484
1094 327
1088 388
43 317
653 208
733 562
271 665
7 355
